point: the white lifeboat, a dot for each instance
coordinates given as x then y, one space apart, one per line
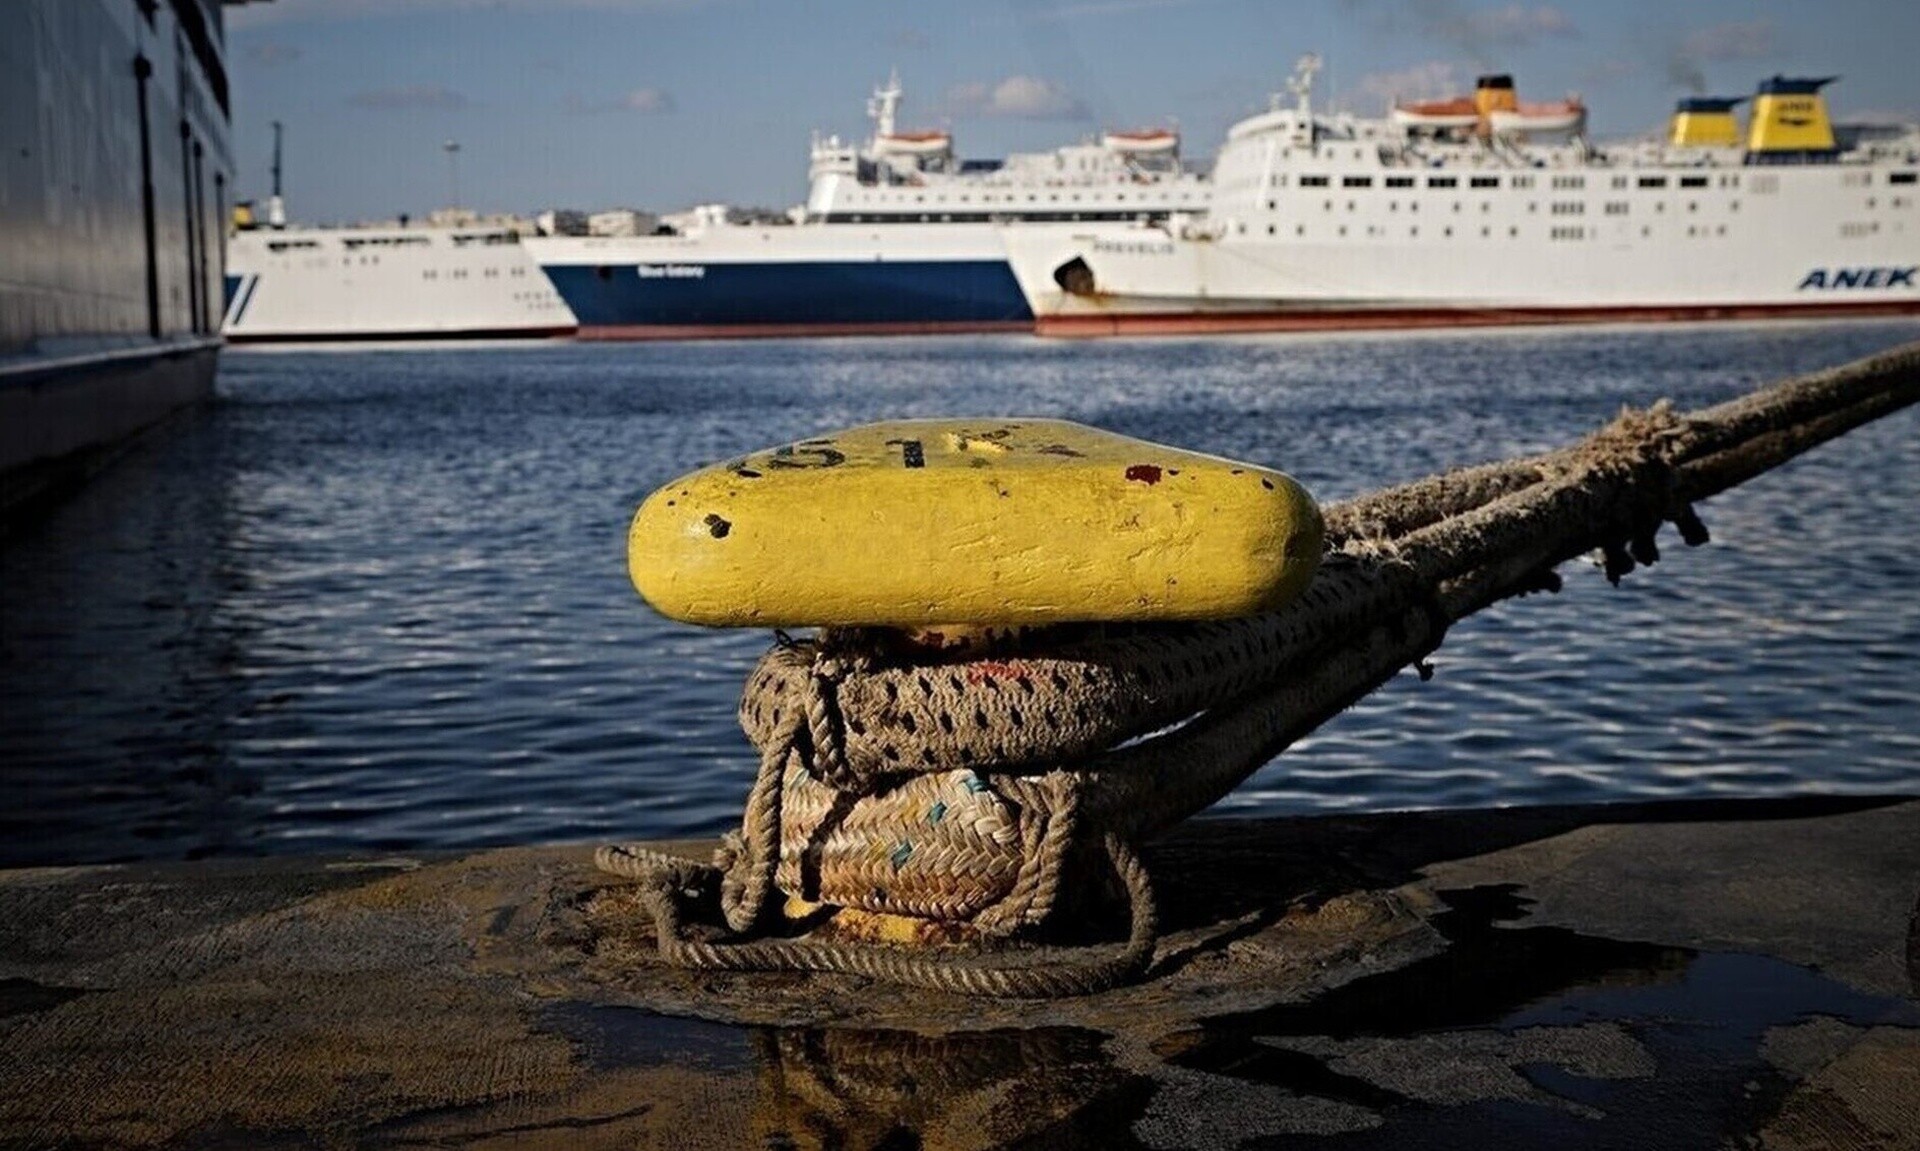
914 144
1453 114
1561 116
1143 142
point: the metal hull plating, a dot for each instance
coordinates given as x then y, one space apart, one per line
110 227
781 281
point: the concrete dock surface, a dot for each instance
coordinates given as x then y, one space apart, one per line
1690 974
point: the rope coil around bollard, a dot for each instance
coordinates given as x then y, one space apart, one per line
982 787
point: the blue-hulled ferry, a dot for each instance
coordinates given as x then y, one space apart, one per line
897 236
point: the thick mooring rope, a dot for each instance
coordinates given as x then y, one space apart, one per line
667 882
954 786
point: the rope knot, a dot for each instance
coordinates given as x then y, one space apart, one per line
826 758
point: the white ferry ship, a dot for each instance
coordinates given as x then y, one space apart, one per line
896 236
1485 210
387 283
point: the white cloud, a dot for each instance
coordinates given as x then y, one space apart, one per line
1016 97
648 100
644 101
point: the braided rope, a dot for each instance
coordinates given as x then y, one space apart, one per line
747 886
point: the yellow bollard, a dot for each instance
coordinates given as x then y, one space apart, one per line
922 523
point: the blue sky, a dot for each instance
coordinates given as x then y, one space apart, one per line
665 103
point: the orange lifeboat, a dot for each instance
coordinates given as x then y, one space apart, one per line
914 143
1559 116
1437 115
1142 142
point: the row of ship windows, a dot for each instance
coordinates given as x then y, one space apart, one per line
1029 198
1579 207
1557 208
429 274
1523 182
354 243
461 273
1560 232
988 217
1563 183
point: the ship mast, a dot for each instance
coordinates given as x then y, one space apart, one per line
884 103
276 207
1301 85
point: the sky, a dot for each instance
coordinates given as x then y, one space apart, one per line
662 104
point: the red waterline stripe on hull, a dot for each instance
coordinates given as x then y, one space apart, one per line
789 331
399 337
1190 324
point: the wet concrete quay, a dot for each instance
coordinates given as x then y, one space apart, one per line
1669 975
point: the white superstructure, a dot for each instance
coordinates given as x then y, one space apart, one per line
916 177
387 283
1486 210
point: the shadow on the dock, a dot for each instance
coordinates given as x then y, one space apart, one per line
1217 871
1521 1036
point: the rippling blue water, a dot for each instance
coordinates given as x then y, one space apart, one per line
377 599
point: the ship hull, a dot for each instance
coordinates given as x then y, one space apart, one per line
66 418
824 280
110 228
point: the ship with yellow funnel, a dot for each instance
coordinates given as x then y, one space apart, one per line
1486 209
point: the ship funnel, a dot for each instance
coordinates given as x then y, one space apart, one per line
1790 121
1494 94
1705 122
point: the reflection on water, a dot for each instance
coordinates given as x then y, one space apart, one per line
1051 1087
864 1089
376 599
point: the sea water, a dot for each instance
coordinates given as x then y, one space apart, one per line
375 599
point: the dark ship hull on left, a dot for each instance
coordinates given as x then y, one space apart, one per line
115 177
